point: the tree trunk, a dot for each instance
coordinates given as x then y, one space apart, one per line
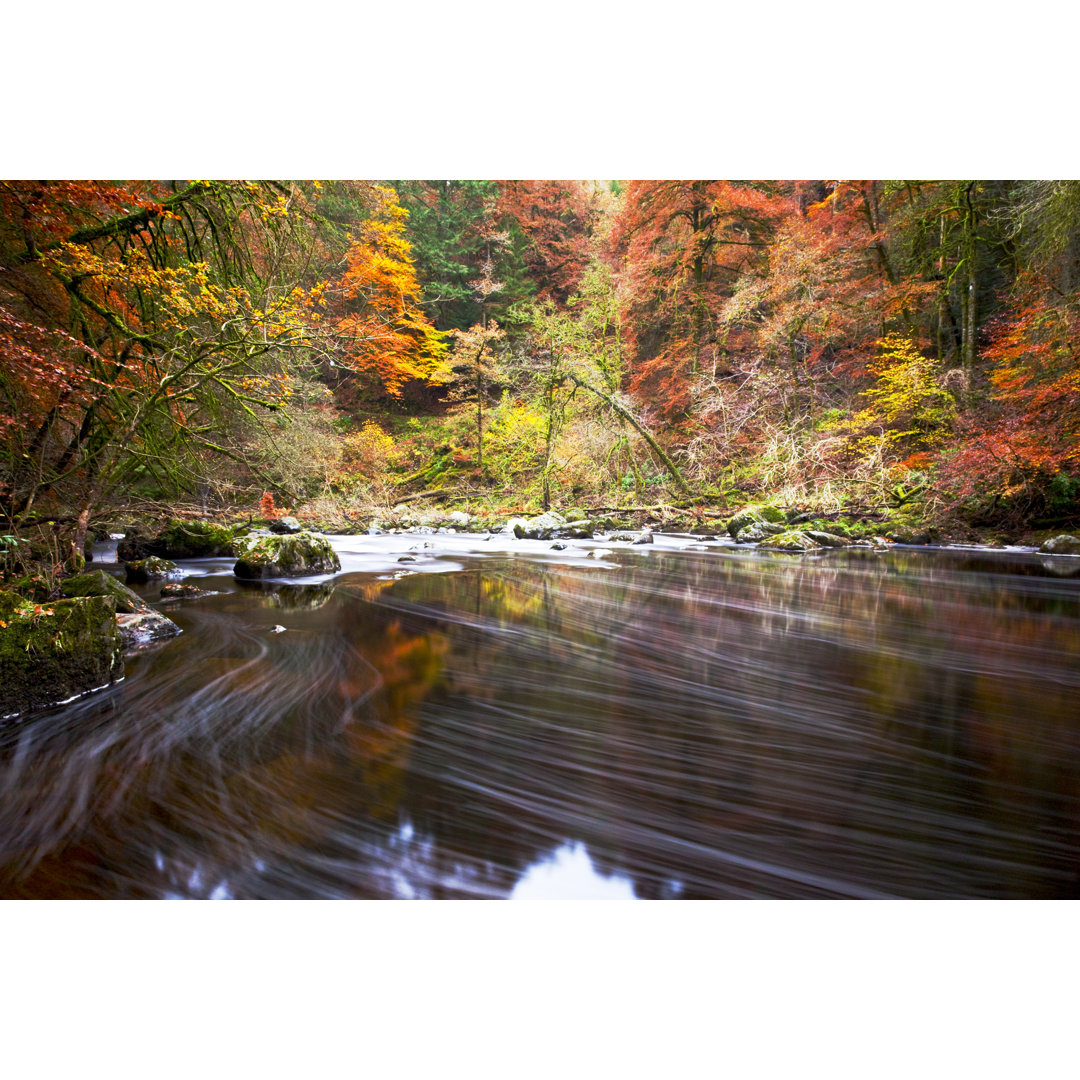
624 412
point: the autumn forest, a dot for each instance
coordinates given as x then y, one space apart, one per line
906 351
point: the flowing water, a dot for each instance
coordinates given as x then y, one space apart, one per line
499 719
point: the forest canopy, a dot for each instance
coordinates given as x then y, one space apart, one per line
339 347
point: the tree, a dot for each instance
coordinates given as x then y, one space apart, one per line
682 244
135 315
580 348
474 356
553 219
389 336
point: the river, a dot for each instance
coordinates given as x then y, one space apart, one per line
688 720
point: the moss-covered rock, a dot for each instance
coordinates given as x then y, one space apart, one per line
287 556
791 540
757 531
1065 544
827 539
99 583
55 651
152 568
757 514
177 590
36 587
178 540
542 527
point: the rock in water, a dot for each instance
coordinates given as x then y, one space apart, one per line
827 539
791 540
1065 544
542 527
757 531
181 591
55 651
179 540
153 568
300 555
143 627
750 515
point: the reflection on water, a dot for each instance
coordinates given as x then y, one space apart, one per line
684 725
569 872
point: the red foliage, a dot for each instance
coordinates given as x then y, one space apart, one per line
1031 430
555 218
683 243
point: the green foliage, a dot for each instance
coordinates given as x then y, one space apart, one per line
1063 494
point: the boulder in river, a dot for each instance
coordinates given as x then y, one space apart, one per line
827 539
791 540
52 652
300 555
143 627
750 515
178 590
542 527
178 540
152 568
1065 544
757 531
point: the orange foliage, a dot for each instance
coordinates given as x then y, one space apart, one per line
554 216
390 336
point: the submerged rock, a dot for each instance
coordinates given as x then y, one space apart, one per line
52 652
152 568
299 555
143 627
1065 544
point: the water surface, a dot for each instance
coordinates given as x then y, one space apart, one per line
498 719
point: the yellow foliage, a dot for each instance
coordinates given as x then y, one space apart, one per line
906 398
367 452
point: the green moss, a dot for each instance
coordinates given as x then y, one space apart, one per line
61 649
34 587
755 515
792 540
178 540
141 571
98 583
296 555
